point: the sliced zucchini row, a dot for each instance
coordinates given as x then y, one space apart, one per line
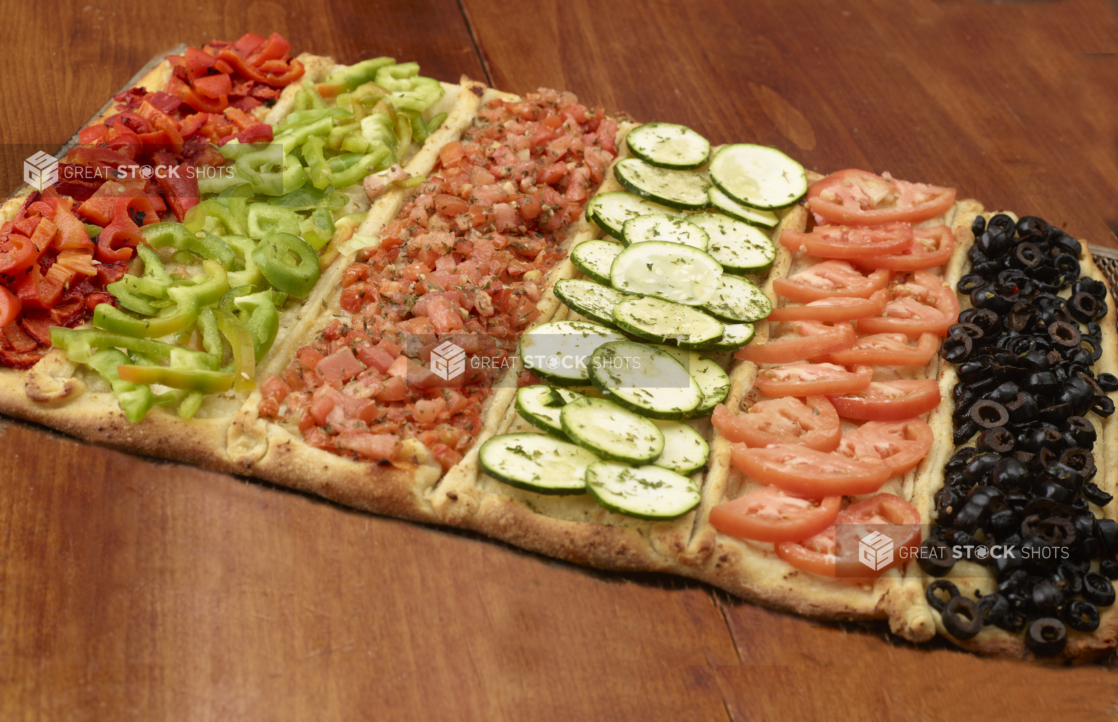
680 189
536 462
668 145
733 337
589 299
671 271
758 176
662 227
711 377
644 379
540 405
659 321
752 216
611 431
685 450
738 246
646 492
559 351
595 258
611 210
738 300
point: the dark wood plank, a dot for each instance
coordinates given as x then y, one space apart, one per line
134 586
1012 103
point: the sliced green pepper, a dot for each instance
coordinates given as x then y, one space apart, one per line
396 78
251 275
78 345
288 262
358 73
310 198
244 350
208 247
375 161
311 116
316 101
264 218
261 317
208 329
189 300
208 382
196 217
318 229
190 404
135 400
319 169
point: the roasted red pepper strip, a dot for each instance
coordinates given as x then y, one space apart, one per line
178 183
122 234
294 71
10 307
276 48
203 104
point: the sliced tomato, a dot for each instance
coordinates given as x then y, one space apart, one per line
807 472
889 400
857 197
829 279
837 308
813 379
825 340
771 515
816 554
812 422
848 242
925 305
888 349
931 247
899 444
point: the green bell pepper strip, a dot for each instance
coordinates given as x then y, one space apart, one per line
359 73
93 231
208 329
292 138
251 276
273 171
309 198
189 300
260 314
130 300
135 400
379 129
190 404
419 97
302 101
375 161
208 186
78 344
288 262
422 129
343 162
319 169
354 142
209 247
244 350
264 219
304 117
395 78
155 281
403 134
318 229
195 219
316 101
208 382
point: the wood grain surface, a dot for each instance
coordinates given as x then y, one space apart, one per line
131 589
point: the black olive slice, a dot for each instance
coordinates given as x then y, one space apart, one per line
1067 264
970 283
961 618
1057 414
935 558
1046 597
1109 569
1098 590
932 593
1046 637
1103 406
1057 531
1095 495
1064 334
1084 307
1081 460
956 347
989 414
964 432
1107 531
1032 227
1108 382
1003 223
1081 616
1082 430
1012 621
979 226
998 439
1021 318
1022 409
992 608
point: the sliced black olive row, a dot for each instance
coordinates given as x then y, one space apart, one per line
1024 358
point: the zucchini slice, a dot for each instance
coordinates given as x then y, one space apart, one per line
611 210
738 247
738 300
682 189
671 271
758 176
668 145
536 462
645 492
662 227
734 337
685 450
595 258
589 299
560 350
752 216
612 431
644 379
540 405
711 377
659 321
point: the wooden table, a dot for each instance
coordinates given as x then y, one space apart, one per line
131 589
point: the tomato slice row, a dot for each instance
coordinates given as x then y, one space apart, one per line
834 309
813 379
811 422
846 242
